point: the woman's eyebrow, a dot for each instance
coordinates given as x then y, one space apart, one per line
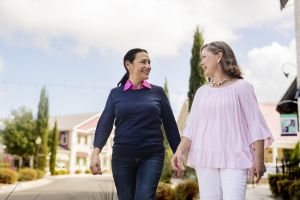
145 59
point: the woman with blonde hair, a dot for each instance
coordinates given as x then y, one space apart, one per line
225 134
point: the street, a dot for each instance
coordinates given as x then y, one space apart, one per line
88 187
69 188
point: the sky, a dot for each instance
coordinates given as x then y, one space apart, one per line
76 47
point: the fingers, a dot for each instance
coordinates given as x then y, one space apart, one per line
96 170
252 172
180 171
177 166
259 173
95 165
174 164
258 176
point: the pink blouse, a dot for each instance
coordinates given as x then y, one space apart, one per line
223 124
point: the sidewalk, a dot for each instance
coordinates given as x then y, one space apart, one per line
21 186
258 192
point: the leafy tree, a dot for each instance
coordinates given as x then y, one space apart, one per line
18 133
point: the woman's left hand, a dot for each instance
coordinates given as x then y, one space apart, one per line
258 169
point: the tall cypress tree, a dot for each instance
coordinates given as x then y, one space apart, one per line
42 129
166 173
53 148
197 77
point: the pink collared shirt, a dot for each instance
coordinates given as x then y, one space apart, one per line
129 85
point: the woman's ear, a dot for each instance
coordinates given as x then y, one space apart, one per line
127 65
219 56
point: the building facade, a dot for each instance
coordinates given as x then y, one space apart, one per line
76 136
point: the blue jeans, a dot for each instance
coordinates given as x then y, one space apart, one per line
136 178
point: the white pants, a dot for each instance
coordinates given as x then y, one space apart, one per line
218 184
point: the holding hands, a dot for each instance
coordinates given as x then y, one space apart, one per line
177 164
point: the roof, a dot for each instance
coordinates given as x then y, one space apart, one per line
68 122
89 124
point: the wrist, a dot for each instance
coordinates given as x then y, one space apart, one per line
96 150
259 160
179 152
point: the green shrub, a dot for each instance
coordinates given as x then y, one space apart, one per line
26 174
77 171
88 171
61 172
56 172
294 190
7 176
165 192
4 165
40 173
283 188
273 178
187 190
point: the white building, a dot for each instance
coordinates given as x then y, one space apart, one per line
76 135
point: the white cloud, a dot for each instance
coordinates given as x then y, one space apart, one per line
264 69
161 26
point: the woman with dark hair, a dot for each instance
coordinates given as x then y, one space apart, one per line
225 133
137 109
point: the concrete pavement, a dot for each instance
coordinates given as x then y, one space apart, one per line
88 187
78 187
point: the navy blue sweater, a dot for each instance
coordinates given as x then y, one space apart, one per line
138 115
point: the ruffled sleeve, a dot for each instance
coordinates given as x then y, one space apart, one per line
257 126
189 129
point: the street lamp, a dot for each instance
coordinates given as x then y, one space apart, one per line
286 74
38 141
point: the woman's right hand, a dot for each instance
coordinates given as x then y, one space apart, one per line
177 164
95 165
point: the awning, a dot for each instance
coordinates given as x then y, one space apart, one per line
288 103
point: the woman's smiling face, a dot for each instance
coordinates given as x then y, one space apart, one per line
140 68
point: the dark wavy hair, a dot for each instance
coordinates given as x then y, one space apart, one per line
228 61
130 57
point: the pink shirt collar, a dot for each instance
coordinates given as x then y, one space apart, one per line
129 85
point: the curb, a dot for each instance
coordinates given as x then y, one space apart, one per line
20 186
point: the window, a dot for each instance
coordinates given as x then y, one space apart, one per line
64 137
78 139
77 160
86 139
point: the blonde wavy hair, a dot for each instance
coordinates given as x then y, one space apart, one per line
228 61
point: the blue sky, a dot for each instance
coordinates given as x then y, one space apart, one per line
41 42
